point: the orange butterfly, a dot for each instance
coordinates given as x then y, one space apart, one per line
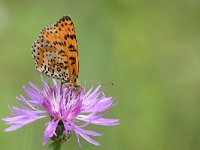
55 52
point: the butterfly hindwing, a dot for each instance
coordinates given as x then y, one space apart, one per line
49 61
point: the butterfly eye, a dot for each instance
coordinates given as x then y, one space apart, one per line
77 88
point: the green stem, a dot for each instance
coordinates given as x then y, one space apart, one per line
54 146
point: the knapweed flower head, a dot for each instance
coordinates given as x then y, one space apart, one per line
68 111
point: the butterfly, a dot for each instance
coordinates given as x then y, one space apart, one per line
55 52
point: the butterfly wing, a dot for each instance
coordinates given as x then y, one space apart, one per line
56 51
49 56
65 28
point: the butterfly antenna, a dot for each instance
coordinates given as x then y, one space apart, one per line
108 84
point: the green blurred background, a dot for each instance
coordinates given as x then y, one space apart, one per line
150 49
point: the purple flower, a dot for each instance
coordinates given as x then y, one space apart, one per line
65 107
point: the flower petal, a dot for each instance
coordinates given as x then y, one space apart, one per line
35 87
50 130
19 121
96 119
84 133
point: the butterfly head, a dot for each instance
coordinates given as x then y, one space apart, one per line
77 88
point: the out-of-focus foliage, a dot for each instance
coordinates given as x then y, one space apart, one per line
150 49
